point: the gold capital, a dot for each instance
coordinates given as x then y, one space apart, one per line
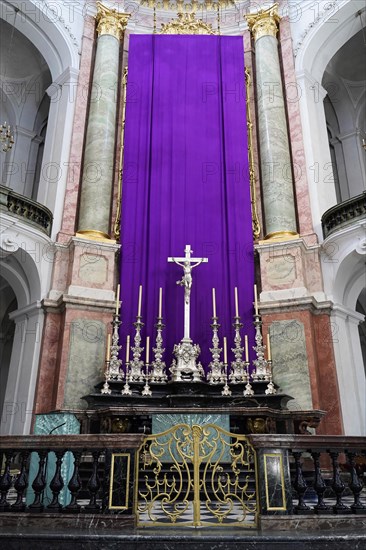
110 21
264 22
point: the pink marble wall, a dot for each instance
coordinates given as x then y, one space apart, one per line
290 265
292 93
69 220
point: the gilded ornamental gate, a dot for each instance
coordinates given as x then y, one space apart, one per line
196 475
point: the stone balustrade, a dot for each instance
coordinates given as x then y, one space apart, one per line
343 214
26 209
297 475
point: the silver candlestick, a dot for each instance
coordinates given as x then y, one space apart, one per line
248 391
136 365
146 391
106 390
262 370
271 390
115 363
237 374
226 390
158 374
126 388
216 375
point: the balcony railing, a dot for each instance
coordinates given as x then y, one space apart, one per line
296 475
343 214
26 209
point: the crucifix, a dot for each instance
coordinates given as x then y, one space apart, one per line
188 264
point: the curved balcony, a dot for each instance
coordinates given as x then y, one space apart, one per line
26 209
343 214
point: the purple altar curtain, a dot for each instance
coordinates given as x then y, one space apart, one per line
186 181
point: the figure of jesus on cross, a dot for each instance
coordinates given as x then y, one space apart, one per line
188 264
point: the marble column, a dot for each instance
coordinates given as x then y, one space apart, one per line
98 164
276 167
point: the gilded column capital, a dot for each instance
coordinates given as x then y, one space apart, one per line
264 22
110 21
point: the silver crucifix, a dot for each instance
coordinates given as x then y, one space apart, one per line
188 264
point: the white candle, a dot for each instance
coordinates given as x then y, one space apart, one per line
117 299
128 349
255 300
147 349
213 303
236 302
225 351
140 300
108 352
246 349
160 301
269 357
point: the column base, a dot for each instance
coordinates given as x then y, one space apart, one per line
95 235
279 236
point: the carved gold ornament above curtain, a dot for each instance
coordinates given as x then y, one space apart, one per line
186 23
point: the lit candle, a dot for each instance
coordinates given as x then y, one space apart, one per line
160 301
236 302
213 303
269 357
117 299
128 349
108 352
246 349
255 300
147 349
225 351
140 300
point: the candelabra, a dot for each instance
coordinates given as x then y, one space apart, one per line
216 375
237 374
271 390
106 390
263 367
248 391
158 374
146 391
136 365
126 388
226 390
115 363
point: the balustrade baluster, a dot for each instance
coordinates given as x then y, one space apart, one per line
300 485
75 484
57 483
5 482
338 486
21 483
39 484
94 485
319 485
356 485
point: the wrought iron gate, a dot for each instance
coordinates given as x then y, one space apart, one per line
196 475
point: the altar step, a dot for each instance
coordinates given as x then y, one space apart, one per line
39 538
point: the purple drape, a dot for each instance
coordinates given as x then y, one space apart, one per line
186 181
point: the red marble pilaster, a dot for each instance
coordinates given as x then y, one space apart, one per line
292 98
321 363
77 142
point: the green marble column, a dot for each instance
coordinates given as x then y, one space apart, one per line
276 168
98 164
